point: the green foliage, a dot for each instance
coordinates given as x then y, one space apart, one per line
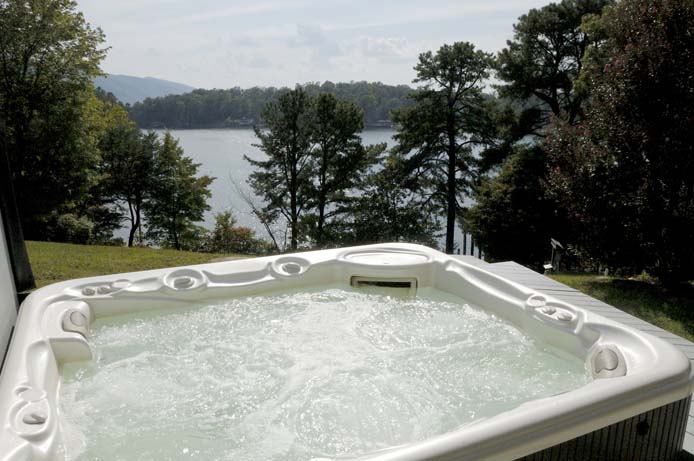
70 228
128 165
239 107
78 162
543 61
512 218
626 175
283 181
91 206
227 237
115 137
137 170
386 211
192 237
106 97
104 222
340 159
176 197
436 135
49 56
314 159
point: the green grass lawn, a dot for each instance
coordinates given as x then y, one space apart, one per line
54 262
670 309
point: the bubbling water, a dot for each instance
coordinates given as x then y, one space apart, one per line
324 373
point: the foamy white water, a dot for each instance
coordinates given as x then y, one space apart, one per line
329 373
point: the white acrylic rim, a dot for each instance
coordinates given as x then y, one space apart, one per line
657 373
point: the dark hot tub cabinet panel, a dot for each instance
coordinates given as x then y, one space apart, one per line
655 435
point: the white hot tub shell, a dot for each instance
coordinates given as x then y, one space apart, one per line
633 373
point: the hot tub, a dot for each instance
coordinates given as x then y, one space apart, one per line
632 404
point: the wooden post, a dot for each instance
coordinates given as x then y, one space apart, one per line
464 243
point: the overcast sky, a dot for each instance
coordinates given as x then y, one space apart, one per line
221 44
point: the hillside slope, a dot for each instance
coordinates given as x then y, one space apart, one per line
130 89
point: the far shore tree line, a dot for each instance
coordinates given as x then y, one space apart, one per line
578 130
238 107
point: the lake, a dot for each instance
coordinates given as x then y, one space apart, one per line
220 154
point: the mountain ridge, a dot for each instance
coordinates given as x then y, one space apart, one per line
129 89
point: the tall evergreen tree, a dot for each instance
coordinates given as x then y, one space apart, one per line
542 64
177 197
284 180
315 157
340 158
436 135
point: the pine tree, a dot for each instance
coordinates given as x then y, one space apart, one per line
177 198
340 159
283 181
437 134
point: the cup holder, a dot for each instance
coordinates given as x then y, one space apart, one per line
185 280
289 267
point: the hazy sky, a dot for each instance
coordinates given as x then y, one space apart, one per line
220 44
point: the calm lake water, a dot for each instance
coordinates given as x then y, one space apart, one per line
220 154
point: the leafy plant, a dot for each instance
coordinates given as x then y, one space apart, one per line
626 174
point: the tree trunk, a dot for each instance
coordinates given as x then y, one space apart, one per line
139 220
321 219
174 232
451 201
134 223
294 214
450 214
322 198
177 245
295 225
131 235
136 227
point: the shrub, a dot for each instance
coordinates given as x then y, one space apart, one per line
70 228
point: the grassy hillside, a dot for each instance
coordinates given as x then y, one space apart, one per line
53 262
670 309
